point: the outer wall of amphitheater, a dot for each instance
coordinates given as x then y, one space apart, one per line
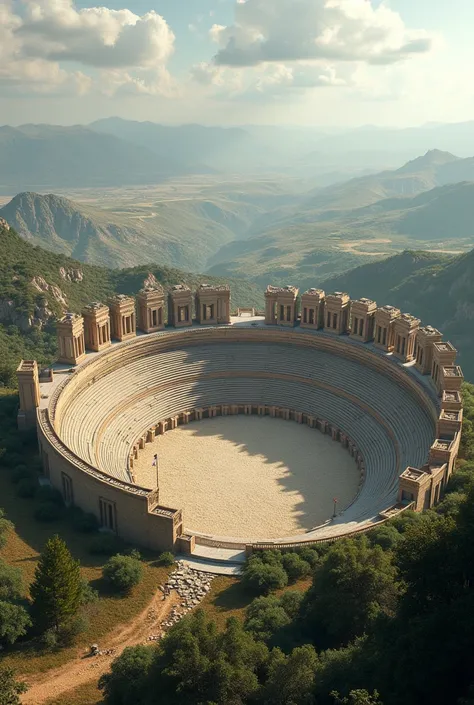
135 513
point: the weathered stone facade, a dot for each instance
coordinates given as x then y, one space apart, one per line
151 309
180 306
96 327
71 342
122 317
213 304
281 305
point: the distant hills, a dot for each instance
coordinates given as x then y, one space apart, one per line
37 286
365 218
46 155
180 233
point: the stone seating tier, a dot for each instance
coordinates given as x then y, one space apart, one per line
123 403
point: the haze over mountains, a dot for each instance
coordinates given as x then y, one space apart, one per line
114 151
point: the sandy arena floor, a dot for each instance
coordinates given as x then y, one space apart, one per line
249 477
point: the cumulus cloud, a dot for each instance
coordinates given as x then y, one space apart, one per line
39 38
333 30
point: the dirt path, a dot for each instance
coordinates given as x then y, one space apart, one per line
55 683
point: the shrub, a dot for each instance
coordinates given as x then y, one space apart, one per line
48 641
105 545
310 555
291 602
11 582
71 630
48 511
167 559
262 578
122 573
49 494
295 567
14 622
386 536
265 616
84 522
89 594
272 557
20 472
11 460
27 488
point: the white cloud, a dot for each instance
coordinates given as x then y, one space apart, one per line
39 38
332 30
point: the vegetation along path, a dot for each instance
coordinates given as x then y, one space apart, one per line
85 668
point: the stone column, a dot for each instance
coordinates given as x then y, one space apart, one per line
285 300
385 317
151 309
123 317
405 328
213 304
29 392
363 319
312 309
71 343
180 306
426 337
96 327
270 306
444 355
336 313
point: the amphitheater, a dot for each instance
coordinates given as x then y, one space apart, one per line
220 435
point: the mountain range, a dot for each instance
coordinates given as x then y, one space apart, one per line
178 233
116 152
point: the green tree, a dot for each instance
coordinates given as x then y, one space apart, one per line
354 583
264 616
358 697
57 589
123 572
261 577
127 682
14 622
10 688
290 678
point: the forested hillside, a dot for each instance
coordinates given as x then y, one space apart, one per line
37 286
440 292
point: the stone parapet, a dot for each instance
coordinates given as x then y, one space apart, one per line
123 317
426 337
180 306
29 392
96 327
385 317
405 328
363 319
71 342
213 304
336 313
312 309
281 305
151 309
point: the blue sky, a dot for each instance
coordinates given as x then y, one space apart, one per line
313 62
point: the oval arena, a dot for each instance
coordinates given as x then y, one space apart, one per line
258 422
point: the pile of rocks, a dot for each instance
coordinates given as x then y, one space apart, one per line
191 585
